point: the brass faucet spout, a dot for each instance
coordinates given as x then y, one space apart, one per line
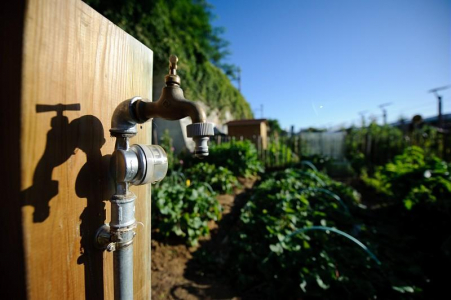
172 105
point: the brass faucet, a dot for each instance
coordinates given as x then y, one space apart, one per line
171 105
141 164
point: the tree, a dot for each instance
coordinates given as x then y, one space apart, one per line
181 27
274 127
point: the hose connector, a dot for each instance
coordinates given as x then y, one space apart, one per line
200 132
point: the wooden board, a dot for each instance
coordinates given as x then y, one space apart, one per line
73 56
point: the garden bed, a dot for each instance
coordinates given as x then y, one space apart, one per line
297 233
175 274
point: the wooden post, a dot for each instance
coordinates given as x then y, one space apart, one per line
69 68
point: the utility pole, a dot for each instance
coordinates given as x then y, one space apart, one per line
362 115
384 110
261 110
439 100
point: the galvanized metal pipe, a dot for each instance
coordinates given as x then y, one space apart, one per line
123 273
122 232
122 227
138 164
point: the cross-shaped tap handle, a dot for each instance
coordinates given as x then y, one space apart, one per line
173 64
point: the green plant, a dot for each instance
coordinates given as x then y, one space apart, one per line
184 209
221 179
279 153
428 138
276 248
274 127
319 161
374 145
414 179
240 157
417 216
166 144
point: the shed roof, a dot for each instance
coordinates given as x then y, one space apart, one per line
246 122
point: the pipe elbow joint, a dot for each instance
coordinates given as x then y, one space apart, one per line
124 120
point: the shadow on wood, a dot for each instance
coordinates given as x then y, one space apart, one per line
92 183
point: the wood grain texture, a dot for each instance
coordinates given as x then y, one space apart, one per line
73 55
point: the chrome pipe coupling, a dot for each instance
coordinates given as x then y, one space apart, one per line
137 165
140 164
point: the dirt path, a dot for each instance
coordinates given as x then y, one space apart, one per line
176 275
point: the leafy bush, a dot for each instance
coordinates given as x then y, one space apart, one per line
240 157
376 145
428 138
373 145
414 179
279 153
417 220
163 26
184 210
320 161
267 252
221 179
166 144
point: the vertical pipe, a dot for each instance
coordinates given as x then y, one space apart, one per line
123 273
122 227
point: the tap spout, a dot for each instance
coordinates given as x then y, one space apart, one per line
172 105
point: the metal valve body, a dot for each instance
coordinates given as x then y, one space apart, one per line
140 164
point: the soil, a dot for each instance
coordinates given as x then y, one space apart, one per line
175 272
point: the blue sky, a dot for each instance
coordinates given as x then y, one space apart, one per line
319 63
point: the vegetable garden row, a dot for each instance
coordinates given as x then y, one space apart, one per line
301 234
364 147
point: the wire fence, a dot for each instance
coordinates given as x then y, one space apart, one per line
378 149
282 151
